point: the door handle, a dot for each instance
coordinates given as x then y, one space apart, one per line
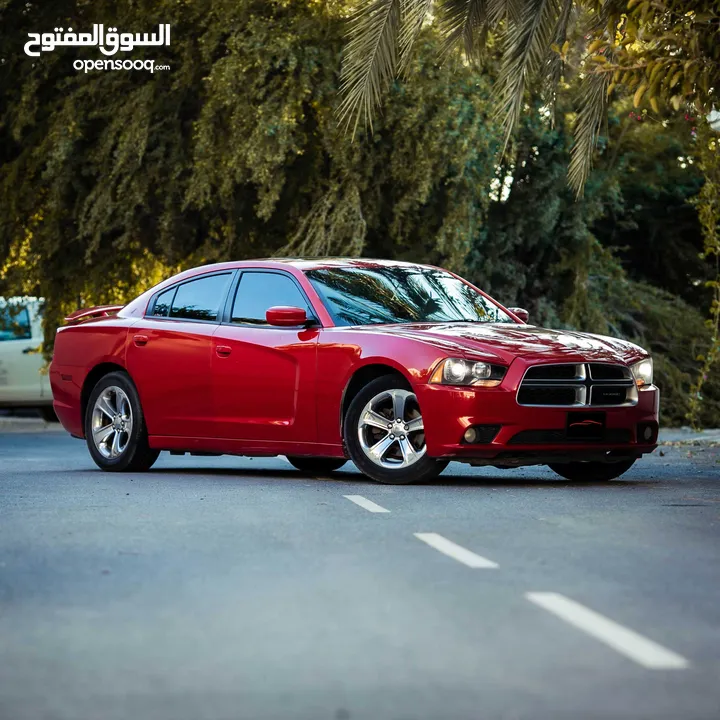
223 350
140 340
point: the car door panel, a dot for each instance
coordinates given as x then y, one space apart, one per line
264 388
264 377
169 356
171 366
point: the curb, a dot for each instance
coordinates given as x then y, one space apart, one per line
31 424
687 436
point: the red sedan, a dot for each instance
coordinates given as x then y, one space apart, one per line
399 367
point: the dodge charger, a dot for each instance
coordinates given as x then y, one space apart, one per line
396 366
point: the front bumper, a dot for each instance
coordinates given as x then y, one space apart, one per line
449 411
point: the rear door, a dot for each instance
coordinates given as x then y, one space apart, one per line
264 376
169 356
20 359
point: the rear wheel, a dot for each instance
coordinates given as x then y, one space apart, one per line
115 427
592 471
316 465
385 435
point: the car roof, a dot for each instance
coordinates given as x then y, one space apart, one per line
139 304
316 263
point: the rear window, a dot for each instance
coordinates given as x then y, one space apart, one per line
199 299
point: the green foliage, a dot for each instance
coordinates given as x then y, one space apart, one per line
111 180
660 53
664 51
541 249
708 204
651 221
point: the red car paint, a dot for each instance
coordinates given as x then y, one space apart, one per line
240 389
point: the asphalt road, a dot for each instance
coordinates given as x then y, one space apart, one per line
238 589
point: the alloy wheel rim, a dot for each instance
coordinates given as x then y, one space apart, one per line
112 422
391 430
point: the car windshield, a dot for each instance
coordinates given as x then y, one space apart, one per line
401 294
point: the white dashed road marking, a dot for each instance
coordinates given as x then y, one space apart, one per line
369 505
625 641
449 548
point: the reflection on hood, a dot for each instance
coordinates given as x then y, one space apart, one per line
506 341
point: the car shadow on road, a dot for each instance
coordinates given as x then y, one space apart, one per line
540 482
355 478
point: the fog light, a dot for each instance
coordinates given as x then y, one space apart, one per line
480 434
647 432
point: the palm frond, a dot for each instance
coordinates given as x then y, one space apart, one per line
554 63
370 59
510 10
525 48
466 21
413 15
591 112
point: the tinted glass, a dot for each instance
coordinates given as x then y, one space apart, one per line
200 299
14 323
258 292
372 296
163 303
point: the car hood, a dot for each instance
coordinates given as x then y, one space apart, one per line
505 342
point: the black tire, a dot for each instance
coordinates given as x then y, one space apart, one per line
592 471
137 455
422 470
316 465
47 413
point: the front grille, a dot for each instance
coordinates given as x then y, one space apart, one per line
531 395
599 371
578 384
553 372
547 437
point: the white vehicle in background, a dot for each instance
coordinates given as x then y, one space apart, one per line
23 381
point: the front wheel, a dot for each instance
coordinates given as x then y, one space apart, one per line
385 435
316 465
592 471
115 427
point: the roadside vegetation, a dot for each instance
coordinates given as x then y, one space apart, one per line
111 180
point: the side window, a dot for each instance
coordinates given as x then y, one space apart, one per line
259 291
200 299
15 323
163 303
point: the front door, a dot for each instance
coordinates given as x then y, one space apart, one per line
264 376
170 356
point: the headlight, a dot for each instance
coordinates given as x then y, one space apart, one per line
457 371
643 372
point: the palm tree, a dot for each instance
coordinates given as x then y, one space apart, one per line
647 48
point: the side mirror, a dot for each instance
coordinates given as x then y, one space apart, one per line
285 316
524 315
